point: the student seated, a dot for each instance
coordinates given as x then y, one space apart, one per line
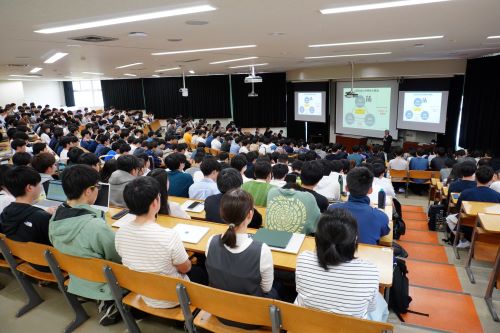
179 181
372 223
5 197
45 165
19 159
235 262
380 182
20 220
332 279
260 187
311 175
466 180
481 193
207 186
355 156
167 207
439 162
291 210
79 230
279 172
227 179
495 185
128 167
328 185
144 245
240 162
91 160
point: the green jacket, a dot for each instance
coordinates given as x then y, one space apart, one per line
258 190
292 211
82 231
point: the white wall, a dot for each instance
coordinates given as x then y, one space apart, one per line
39 92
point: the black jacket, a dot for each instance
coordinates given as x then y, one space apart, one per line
25 223
212 209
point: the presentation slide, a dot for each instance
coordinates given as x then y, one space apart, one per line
369 113
423 110
310 106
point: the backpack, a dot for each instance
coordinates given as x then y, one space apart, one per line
435 214
398 225
399 297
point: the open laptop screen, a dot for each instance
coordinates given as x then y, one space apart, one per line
103 196
55 191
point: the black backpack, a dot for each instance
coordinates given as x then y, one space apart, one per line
398 225
435 214
399 297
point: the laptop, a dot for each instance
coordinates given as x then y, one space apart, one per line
102 201
54 195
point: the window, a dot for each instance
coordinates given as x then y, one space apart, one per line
88 93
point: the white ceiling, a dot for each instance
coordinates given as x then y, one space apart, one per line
464 23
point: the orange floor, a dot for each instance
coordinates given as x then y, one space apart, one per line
434 284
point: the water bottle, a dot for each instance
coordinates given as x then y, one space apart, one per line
381 199
341 183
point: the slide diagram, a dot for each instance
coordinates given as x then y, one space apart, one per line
369 110
422 107
309 104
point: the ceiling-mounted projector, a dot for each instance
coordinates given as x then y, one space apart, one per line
351 94
253 79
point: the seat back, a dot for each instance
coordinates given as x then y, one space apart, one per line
231 306
152 285
398 173
436 174
90 269
214 152
295 318
420 174
30 252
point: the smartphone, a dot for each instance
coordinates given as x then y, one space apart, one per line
193 205
120 214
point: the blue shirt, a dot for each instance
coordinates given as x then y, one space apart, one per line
203 189
372 222
98 150
179 183
235 148
460 185
90 145
355 157
208 141
481 194
419 163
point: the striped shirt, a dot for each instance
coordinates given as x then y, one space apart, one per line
349 288
151 248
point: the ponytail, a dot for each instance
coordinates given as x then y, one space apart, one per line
229 237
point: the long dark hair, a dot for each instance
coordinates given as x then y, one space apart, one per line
234 208
336 238
162 177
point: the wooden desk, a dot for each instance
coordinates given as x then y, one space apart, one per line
380 256
489 222
202 215
474 208
445 191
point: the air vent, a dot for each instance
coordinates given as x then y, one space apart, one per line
94 39
190 60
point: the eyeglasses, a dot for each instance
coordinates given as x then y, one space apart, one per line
97 186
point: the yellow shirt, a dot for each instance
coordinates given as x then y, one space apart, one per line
187 137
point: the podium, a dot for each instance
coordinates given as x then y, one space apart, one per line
349 141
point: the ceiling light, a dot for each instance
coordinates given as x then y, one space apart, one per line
73 77
254 65
348 55
382 5
378 41
93 73
128 19
205 50
36 70
191 72
231 60
155 75
22 75
73 45
55 57
130 65
166 69
127 74
137 34
493 37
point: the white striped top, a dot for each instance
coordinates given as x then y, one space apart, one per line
349 288
151 248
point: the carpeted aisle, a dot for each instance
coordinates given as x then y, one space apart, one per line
434 283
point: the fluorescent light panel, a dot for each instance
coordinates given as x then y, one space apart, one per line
254 65
348 55
129 65
36 70
205 50
22 75
128 19
380 5
55 57
378 41
493 37
166 69
155 75
191 72
127 74
231 60
93 73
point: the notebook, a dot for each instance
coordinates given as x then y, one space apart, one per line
293 246
190 233
273 238
123 221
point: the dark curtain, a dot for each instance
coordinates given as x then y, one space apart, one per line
317 132
454 86
123 94
69 95
208 97
266 110
481 107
